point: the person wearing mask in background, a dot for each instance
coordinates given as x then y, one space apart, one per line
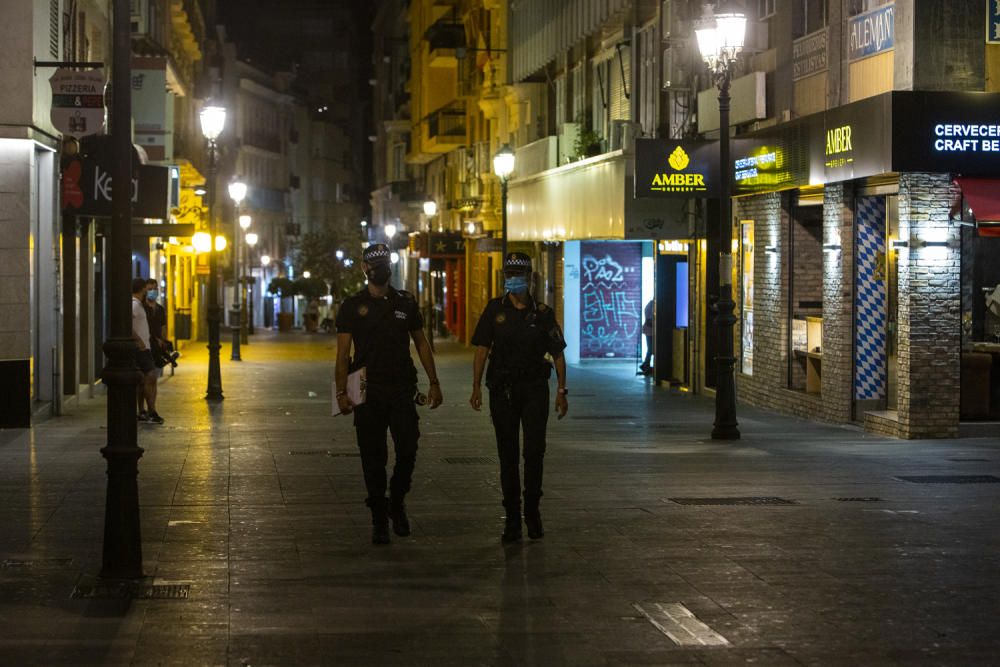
145 391
516 333
379 321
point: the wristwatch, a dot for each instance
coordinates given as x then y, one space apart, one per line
562 390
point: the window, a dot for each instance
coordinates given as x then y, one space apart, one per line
765 9
579 84
746 296
649 64
805 278
560 94
808 16
397 167
855 7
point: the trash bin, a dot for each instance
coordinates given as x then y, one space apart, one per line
285 321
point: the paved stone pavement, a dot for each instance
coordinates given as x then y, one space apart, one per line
257 504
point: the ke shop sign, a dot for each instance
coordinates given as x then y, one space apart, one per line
676 169
87 187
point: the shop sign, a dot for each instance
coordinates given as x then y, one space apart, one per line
676 169
446 244
871 33
78 101
947 132
809 55
992 22
87 187
149 106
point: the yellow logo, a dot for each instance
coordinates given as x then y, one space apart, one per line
679 160
362 310
500 318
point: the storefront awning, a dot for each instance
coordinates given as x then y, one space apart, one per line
983 197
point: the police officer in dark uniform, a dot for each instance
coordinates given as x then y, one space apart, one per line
517 333
380 321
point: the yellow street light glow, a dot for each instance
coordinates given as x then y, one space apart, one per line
202 242
220 243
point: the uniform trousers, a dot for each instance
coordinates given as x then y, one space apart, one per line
393 411
522 404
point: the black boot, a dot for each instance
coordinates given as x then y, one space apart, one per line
397 512
512 527
380 521
533 519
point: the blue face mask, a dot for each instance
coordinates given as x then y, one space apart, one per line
516 284
152 294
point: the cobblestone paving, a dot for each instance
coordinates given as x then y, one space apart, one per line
257 505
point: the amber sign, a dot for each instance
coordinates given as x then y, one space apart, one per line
683 169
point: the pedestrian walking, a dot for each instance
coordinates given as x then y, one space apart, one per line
517 334
145 393
379 322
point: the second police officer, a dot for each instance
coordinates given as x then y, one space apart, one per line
379 321
516 333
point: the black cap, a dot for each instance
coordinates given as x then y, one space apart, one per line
517 261
376 253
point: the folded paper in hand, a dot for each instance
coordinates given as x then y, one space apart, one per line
356 389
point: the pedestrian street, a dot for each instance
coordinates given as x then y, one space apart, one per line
800 544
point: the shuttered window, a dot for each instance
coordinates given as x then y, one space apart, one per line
579 76
560 93
54 28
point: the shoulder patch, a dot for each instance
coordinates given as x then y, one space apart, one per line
542 307
406 295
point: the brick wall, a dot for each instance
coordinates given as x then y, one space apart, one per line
768 386
929 309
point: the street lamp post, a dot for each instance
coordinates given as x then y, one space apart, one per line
720 44
122 553
251 240
237 192
213 120
503 167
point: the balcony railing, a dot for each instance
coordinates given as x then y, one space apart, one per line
445 34
448 122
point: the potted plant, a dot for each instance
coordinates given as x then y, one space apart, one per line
312 289
286 289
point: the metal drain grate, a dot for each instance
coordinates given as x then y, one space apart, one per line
970 460
130 591
602 417
950 479
309 452
14 563
859 499
748 500
342 454
471 460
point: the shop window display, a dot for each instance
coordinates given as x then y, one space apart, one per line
806 299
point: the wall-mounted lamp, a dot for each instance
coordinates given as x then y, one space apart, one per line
771 249
899 243
935 244
831 247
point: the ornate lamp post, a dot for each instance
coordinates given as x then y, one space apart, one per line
503 167
251 240
213 120
237 192
122 554
720 43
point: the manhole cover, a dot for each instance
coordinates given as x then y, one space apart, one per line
602 417
309 452
950 479
470 460
859 499
748 500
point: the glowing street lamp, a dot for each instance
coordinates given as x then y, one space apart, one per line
265 260
213 121
251 239
390 231
237 191
720 41
430 208
202 242
245 222
503 167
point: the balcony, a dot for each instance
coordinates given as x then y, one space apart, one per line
443 38
446 129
